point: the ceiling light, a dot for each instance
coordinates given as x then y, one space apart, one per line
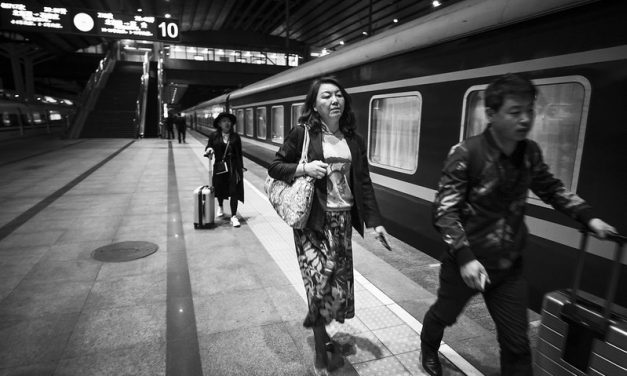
342 42
436 3
167 15
364 32
395 20
139 9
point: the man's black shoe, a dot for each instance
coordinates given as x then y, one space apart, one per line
430 362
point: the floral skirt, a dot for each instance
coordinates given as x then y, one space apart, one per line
335 299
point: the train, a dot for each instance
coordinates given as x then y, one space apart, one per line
26 118
417 90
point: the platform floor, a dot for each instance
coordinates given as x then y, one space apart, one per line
221 301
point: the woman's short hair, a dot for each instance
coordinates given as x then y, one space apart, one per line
508 84
311 117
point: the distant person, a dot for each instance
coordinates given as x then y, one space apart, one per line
343 198
226 147
181 125
169 125
479 210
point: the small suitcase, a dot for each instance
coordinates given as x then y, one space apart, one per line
204 202
581 334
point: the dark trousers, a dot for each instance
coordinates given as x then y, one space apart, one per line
181 133
506 299
170 132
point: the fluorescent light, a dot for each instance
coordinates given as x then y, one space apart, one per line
436 3
395 20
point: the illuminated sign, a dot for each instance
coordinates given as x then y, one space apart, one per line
37 18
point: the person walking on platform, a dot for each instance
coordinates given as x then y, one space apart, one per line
479 210
228 164
343 198
169 125
179 120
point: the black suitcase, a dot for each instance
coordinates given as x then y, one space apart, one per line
580 333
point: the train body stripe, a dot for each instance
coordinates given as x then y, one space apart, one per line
555 232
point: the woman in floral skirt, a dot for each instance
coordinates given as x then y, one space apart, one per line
344 199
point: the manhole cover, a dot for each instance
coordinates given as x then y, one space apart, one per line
124 251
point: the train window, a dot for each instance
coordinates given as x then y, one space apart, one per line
249 124
37 118
6 120
239 114
277 124
261 122
296 108
559 126
55 115
394 131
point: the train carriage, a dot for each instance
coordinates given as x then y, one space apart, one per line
417 90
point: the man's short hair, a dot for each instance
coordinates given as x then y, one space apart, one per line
508 84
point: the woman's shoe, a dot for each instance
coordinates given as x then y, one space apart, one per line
220 212
235 221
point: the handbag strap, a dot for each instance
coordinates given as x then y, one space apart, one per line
226 149
303 155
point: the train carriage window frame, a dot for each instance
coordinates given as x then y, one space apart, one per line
277 126
261 114
249 122
547 104
294 119
416 121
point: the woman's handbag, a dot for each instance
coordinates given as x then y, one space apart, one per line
221 167
292 201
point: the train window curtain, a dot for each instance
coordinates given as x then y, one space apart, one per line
295 113
558 127
239 114
395 131
261 122
249 123
277 123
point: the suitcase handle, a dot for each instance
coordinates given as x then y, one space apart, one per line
620 241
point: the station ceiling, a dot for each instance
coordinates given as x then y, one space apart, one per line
311 25
315 24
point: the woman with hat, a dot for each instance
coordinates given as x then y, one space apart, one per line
228 164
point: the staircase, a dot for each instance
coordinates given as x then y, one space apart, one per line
113 114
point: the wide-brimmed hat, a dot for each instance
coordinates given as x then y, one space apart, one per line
216 121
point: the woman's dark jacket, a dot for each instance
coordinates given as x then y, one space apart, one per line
365 207
230 184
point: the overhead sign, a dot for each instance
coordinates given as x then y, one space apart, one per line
26 16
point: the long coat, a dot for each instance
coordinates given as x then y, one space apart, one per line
230 184
364 210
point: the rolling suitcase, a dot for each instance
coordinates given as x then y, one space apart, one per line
581 334
204 202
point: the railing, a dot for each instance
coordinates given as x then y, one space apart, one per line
89 96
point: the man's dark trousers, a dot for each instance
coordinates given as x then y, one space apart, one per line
506 299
